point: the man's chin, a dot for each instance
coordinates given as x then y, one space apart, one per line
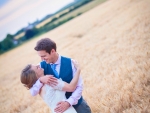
47 62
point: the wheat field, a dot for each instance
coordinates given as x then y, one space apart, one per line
112 44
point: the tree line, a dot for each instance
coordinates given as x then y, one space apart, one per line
10 42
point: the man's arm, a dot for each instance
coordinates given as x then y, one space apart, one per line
76 95
70 87
73 99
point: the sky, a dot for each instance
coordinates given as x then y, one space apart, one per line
16 14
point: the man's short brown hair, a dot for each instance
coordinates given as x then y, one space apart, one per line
45 44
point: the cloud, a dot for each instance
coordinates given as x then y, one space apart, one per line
15 15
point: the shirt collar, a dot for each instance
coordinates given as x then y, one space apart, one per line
58 60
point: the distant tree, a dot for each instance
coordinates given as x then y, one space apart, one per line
31 32
20 31
53 19
10 36
0 45
7 43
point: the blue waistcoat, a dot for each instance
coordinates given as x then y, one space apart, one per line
65 73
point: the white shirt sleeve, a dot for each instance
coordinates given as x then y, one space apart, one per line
76 95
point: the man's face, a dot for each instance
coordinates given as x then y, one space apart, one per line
46 56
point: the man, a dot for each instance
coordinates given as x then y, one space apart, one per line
60 67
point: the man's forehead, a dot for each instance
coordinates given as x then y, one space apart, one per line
42 52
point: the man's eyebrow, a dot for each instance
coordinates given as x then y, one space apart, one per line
43 56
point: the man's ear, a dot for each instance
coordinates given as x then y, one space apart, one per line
52 51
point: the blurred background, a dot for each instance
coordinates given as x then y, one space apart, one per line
23 20
109 38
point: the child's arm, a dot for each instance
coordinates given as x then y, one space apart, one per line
35 89
48 79
70 87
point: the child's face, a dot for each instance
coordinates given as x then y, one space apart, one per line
38 70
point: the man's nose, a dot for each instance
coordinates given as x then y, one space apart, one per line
42 58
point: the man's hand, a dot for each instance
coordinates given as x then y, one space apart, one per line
62 106
49 79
